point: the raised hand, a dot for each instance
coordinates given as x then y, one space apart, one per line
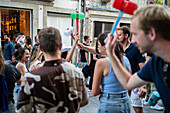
110 44
80 45
70 53
77 38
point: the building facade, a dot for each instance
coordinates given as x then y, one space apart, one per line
100 16
28 16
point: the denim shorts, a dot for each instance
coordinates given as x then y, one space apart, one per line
83 64
114 103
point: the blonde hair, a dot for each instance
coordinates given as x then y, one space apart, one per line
1 62
154 16
35 54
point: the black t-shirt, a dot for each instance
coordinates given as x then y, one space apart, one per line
149 54
153 72
135 57
92 62
82 54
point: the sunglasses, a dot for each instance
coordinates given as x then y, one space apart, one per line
166 71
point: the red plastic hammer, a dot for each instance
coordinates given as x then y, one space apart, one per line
124 6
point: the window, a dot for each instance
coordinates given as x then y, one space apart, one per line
97 28
101 27
108 27
124 24
14 21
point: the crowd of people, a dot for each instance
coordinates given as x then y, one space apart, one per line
120 72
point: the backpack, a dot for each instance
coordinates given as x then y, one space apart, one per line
3 93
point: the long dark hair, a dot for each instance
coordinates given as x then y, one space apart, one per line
101 39
1 62
119 51
118 48
20 53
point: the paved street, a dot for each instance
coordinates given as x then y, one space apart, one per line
93 105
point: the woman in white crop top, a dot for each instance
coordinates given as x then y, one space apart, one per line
22 55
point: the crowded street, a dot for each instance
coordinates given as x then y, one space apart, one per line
84 56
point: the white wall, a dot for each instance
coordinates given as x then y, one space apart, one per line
61 22
67 4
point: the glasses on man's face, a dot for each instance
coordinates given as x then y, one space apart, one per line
166 70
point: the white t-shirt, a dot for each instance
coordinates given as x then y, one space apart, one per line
22 43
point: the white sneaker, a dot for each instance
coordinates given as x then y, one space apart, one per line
157 107
145 103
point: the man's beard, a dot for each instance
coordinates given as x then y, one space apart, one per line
123 41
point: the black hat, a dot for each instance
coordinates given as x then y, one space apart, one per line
8 35
21 33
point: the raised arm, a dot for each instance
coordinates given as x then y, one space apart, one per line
70 53
87 48
126 79
79 56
